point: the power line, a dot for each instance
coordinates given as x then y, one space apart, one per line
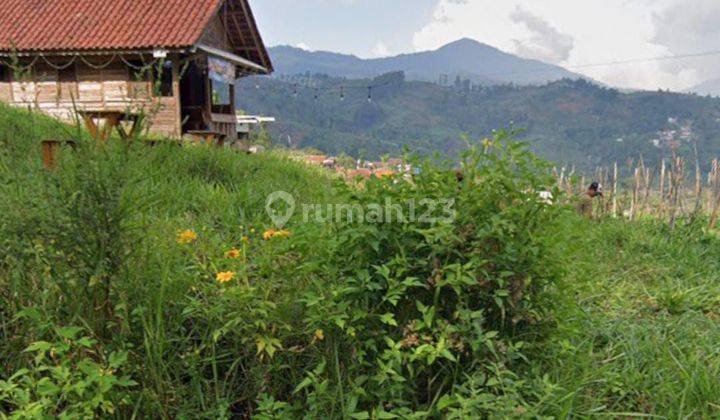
606 63
651 59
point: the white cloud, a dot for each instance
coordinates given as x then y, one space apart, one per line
546 43
576 33
380 50
303 46
687 28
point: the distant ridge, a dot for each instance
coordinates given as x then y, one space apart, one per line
466 58
709 87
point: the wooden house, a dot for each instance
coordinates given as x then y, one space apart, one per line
177 60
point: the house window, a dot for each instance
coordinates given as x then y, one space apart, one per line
222 97
162 79
138 80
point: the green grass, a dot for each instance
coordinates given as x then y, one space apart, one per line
638 329
104 313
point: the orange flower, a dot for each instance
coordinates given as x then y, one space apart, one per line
269 234
225 277
319 335
233 254
186 237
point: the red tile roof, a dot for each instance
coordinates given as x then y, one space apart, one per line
82 25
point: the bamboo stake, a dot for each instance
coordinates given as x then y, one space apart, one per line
716 191
636 187
698 183
569 182
712 183
676 185
648 183
615 190
662 188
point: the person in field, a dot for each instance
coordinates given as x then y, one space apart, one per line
585 204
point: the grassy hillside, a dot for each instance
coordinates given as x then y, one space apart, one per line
147 282
572 122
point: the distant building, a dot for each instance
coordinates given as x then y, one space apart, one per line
180 58
316 159
246 124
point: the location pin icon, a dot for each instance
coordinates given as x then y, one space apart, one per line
280 206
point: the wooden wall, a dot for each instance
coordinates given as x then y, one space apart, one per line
113 87
216 35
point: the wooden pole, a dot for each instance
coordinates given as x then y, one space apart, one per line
49 152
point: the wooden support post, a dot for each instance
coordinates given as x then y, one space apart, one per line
49 149
49 153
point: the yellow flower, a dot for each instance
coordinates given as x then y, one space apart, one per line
272 233
225 276
319 335
246 239
486 143
233 254
186 237
269 234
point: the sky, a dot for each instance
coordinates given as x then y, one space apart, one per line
581 35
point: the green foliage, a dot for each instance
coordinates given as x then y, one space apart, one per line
412 309
94 243
188 306
572 122
261 137
67 378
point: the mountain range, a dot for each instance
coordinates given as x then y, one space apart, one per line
573 122
322 100
465 59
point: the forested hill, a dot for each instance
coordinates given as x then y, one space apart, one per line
569 121
466 58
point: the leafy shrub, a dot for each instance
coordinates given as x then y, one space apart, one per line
333 320
67 378
413 307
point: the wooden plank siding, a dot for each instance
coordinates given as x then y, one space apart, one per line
57 92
